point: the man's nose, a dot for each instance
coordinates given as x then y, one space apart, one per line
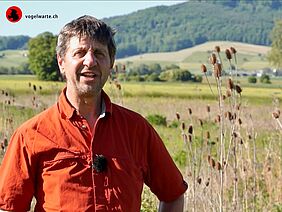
89 59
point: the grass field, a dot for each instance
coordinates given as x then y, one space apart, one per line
190 101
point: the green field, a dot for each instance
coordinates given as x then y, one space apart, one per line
257 101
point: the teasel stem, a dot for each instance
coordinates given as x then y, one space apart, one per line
204 70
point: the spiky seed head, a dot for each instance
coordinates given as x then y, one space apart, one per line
201 122
217 49
177 116
238 89
217 118
230 84
208 108
190 129
208 136
276 114
212 163
190 111
183 126
233 50
203 68
199 180
190 138
213 59
217 70
228 93
228 54
240 121
218 166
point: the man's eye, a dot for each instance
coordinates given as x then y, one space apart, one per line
79 53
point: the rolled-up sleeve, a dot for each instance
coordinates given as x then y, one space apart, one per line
163 177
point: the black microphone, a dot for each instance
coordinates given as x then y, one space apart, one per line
99 163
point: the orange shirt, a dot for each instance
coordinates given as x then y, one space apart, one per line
50 157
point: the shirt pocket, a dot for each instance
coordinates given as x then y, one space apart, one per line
65 160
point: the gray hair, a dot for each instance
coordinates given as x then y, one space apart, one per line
90 27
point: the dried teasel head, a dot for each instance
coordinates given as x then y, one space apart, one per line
208 136
228 93
190 138
276 114
209 158
190 129
177 116
228 54
240 121
217 49
201 122
217 118
199 180
218 166
213 59
230 84
208 108
228 115
207 182
212 163
183 126
233 50
203 68
217 70
238 89
190 111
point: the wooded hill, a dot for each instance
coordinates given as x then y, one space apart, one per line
184 25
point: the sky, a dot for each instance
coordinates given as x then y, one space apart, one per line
61 12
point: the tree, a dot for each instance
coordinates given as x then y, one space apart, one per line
275 55
42 56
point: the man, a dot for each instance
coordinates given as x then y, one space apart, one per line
86 153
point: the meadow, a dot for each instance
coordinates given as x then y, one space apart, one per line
186 117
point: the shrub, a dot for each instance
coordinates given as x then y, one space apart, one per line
157 119
252 79
265 79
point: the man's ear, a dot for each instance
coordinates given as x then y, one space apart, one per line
60 63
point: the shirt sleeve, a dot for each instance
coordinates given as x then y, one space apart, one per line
16 176
163 177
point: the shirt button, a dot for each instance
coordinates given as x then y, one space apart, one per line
83 127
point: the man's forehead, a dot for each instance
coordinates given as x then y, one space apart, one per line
76 41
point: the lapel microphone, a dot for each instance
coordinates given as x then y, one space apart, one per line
99 163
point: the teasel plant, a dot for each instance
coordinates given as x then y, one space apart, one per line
115 84
217 71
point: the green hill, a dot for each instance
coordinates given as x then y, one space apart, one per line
250 57
184 25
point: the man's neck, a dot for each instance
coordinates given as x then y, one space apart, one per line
87 106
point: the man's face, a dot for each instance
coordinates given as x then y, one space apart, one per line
86 66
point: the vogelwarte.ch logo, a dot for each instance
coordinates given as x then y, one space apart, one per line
14 14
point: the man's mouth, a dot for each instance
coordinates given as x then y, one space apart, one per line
88 74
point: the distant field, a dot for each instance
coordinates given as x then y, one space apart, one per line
13 58
250 57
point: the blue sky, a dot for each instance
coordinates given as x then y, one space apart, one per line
65 11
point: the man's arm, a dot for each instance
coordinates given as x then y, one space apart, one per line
174 206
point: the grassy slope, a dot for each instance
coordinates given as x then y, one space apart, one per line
250 57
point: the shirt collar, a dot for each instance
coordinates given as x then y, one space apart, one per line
66 110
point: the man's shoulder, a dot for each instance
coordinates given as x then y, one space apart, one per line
42 119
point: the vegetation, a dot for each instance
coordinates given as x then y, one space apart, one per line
13 42
158 29
275 55
42 56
